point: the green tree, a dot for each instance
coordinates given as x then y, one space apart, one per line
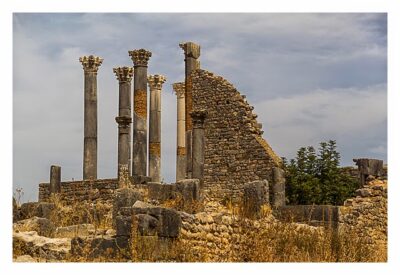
316 178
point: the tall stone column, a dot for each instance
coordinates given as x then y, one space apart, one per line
90 66
55 179
179 89
124 120
198 118
155 85
140 60
192 53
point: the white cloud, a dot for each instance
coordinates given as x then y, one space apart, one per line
351 115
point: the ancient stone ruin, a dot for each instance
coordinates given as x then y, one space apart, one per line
222 161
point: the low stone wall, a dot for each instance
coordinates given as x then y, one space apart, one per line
72 191
366 214
316 215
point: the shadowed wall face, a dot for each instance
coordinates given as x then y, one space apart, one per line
90 65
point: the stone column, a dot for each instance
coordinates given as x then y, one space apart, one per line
90 66
55 179
140 60
179 89
155 86
124 120
192 53
278 188
198 118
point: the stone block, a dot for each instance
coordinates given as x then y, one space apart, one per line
189 189
123 225
28 210
147 224
161 192
72 231
373 167
160 221
255 194
124 197
278 188
169 220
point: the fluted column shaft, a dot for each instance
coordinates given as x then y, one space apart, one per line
90 66
179 89
140 60
155 85
124 120
192 53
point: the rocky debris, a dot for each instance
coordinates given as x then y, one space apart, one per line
50 249
72 231
42 226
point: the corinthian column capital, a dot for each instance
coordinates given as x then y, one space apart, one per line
90 63
156 81
124 74
140 57
179 89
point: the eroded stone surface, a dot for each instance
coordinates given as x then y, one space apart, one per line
51 249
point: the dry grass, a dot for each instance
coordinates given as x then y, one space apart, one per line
66 214
290 242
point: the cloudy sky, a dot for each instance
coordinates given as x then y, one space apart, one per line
311 77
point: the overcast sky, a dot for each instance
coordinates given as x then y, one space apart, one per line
311 77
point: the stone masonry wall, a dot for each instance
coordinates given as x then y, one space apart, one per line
102 189
217 237
366 214
235 152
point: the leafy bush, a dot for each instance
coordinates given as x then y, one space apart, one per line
316 178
